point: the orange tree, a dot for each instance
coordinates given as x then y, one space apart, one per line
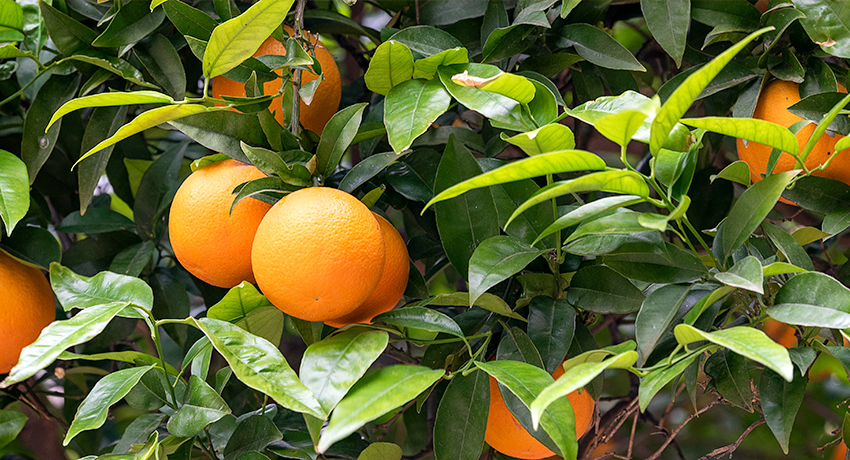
565 176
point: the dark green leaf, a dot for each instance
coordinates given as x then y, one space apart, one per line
188 20
11 423
598 47
38 141
223 131
668 22
34 245
69 35
426 40
826 23
551 326
677 266
161 61
104 122
133 22
655 315
462 418
203 406
421 318
367 169
96 220
245 307
780 401
813 299
252 434
495 260
336 137
601 290
731 378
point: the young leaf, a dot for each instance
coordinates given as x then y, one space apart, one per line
549 138
750 129
495 260
259 365
107 391
330 367
427 68
381 451
410 108
237 39
746 274
677 104
337 136
746 341
462 418
391 65
535 166
110 99
375 395
513 86
14 190
498 108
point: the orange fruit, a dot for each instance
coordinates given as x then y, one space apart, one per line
26 307
780 332
772 105
839 453
318 254
393 280
314 116
209 240
506 435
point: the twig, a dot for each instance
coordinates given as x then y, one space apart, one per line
679 428
632 436
670 406
731 448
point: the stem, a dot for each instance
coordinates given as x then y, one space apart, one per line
296 77
700 240
24 88
155 336
558 240
626 160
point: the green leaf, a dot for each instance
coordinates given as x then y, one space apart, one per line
11 21
107 391
578 377
786 243
375 395
495 260
367 169
496 107
598 47
259 365
750 129
427 68
245 307
526 168
252 434
161 60
657 379
748 342
69 35
621 127
189 21
14 190
391 65
731 378
668 22
223 131
526 382
624 182
813 299
601 290
780 401
337 136
426 40
132 22
551 326
510 85
145 120
826 24
96 220
104 122
38 142
330 367
202 407
34 245
750 210
836 221
410 108
110 99
677 104
421 318
464 221
738 171
587 211
487 302
11 423
655 315
381 451
237 39
462 417
819 194
549 138
780 268
676 266
745 274
624 222
75 291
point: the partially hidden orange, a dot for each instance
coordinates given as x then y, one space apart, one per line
318 254
210 241
506 435
780 332
393 280
26 307
772 105
313 116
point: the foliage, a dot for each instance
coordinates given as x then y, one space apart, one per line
552 210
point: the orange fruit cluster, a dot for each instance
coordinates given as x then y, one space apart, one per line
772 105
26 307
506 435
315 115
319 254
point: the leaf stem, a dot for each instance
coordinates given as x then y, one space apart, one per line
24 88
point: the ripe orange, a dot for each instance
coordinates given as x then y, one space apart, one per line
506 435
392 284
325 100
772 105
209 241
780 332
318 254
26 307
839 453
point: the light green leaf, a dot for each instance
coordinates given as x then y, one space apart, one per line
391 65
245 307
750 129
539 165
427 68
748 342
496 107
738 171
781 268
625 182
14 190
587 211
237 39
410 108
75 291
745 274
510 85
677 104
620 127
652 383
110 99
549 138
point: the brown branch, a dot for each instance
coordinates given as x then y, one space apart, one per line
679 428
731 448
